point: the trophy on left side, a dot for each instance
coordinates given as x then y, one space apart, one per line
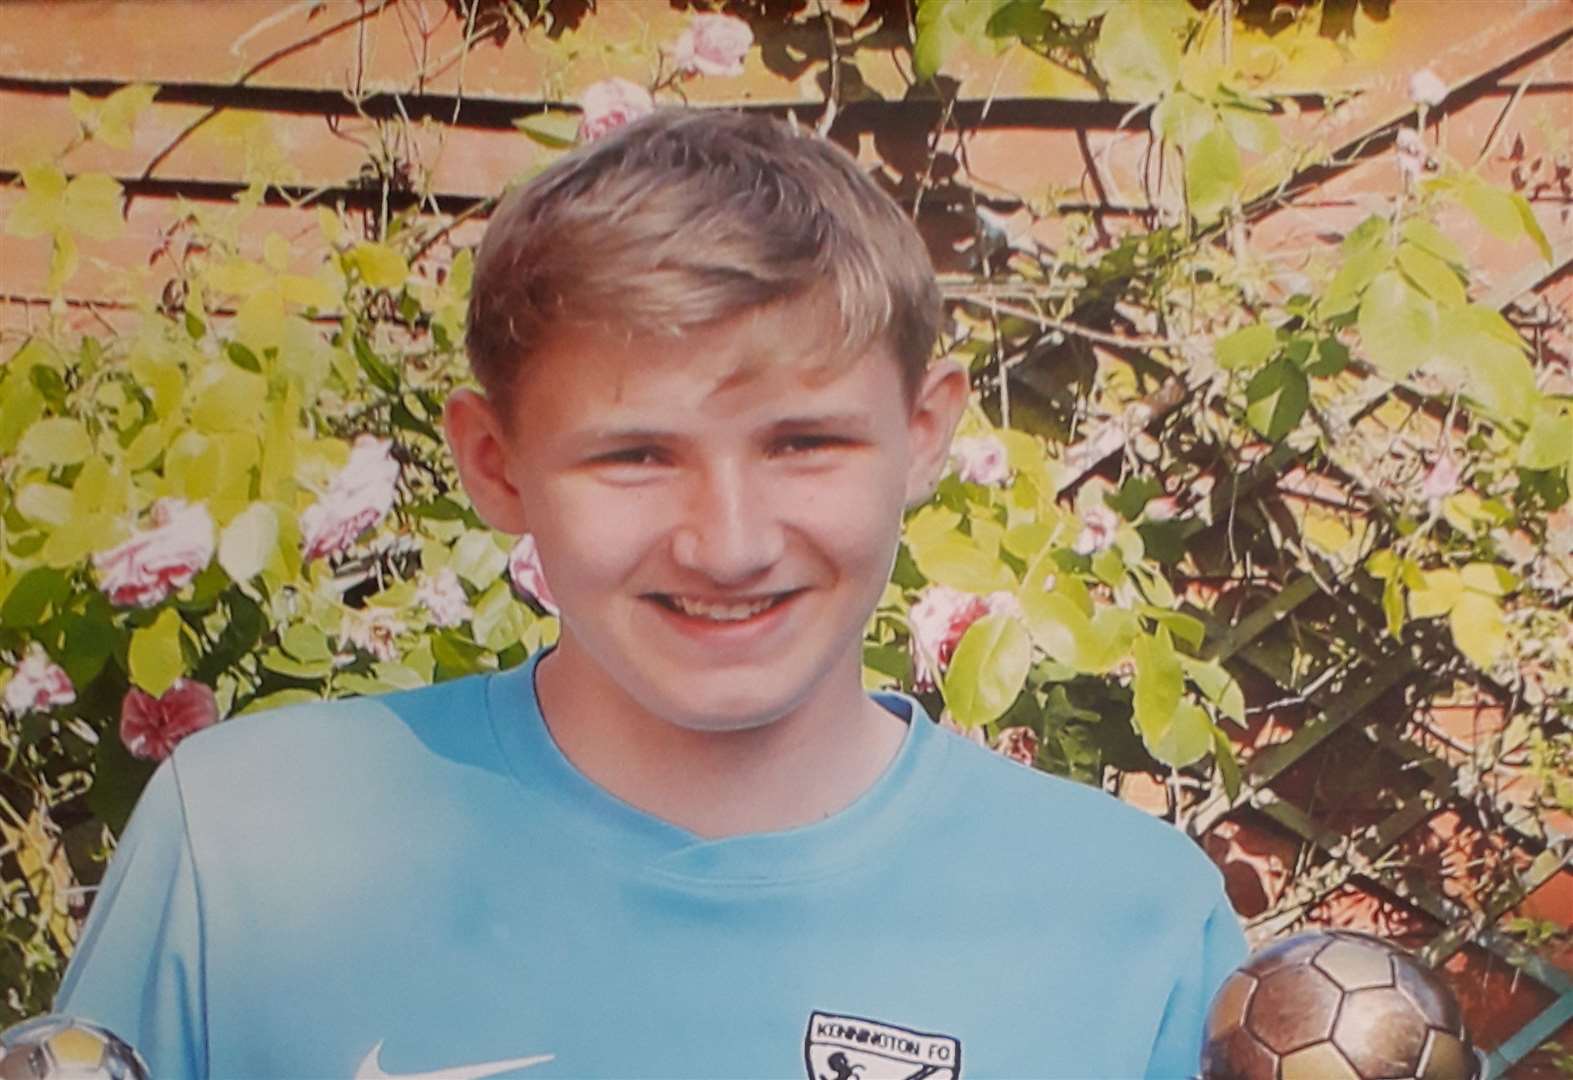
65 1048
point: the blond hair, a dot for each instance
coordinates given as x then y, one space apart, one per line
687 217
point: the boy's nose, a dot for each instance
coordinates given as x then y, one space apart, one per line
730 533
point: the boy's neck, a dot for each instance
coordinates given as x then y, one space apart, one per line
796 770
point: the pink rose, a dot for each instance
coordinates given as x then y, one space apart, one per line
152 726
1441 480
444 599
609 104
156 562
939 618
374 630
713 45
1020 744
1098 526
1425 88
357 498
1163 508
527 576
980 459
37 685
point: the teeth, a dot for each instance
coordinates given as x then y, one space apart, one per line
720 612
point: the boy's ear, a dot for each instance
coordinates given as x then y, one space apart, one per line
483 455
936 410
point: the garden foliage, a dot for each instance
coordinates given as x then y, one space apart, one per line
236 495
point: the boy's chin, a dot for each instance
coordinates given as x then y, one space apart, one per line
723 711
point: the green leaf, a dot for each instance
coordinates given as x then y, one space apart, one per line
380 266
1276 399
1247 347
41 210
47 504
1064 632
1531 225
58 441
1393 605
1184 739
1183 119
1332 356
92 206
1398 325
1435 277
1487 363
20 406
1359 267
227 398
155 656
305 641
1252 129
1158 683
1213 174
248 541
955 559
1138 49
1549 442
988 670
1493 207
1428 237
1488 579
1228 767
33 596
1478 628
111 119
1439 596
478 559
555 129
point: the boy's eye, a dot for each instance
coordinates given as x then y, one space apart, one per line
808 444
633 455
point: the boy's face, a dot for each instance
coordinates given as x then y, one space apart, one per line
717 515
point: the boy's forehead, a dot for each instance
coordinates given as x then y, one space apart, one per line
709 366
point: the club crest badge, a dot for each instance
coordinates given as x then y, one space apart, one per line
852 1048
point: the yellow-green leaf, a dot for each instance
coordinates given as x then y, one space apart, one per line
555 129
1488 578
1246 347
1398 325
92 206
988 670
57 441
155 655
41 208
1440 595
48 504
1479 630
380 266
1549 442
1435 277
227 398
248 541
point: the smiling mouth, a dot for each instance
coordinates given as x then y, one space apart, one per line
721 611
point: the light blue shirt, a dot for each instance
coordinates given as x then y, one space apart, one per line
422 884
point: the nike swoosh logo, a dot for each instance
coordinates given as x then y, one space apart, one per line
371 1068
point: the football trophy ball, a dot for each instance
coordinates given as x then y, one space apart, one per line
1336 1005
64 1048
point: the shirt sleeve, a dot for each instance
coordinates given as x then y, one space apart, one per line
138 968
1219 949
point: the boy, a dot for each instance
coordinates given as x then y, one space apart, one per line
683 842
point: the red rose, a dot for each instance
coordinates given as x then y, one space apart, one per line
152 726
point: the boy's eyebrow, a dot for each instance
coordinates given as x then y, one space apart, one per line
856 420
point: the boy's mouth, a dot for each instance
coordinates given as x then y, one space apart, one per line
722 611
